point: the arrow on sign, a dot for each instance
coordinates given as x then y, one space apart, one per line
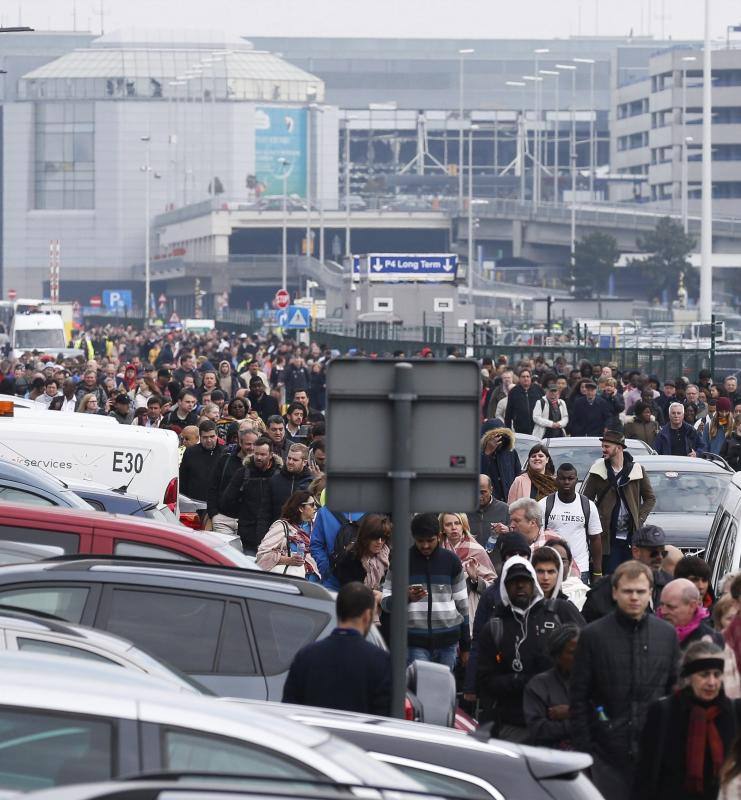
377 265
447 266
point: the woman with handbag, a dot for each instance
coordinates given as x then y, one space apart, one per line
285 547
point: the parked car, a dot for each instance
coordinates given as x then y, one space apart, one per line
60 727
234 631
450 763
723 550
91 532
583 451
688 492
25 632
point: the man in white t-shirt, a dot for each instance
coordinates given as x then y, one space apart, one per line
576 519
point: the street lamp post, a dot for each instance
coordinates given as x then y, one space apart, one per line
521 139
462 53
572 138
539 51
469 274
592 115
146 169
706 233
685 202
348 248
285 164
556 126
535 79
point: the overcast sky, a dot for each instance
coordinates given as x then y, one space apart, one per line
388 18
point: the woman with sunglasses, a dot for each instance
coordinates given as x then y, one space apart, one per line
367 559
285 547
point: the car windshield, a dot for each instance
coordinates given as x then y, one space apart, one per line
45 337
581 457
687 492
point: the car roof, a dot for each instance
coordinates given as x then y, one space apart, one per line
103 519
679 464
593 441
113 569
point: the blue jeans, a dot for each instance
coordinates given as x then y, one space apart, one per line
438 655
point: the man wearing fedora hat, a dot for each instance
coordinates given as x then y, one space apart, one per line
622 492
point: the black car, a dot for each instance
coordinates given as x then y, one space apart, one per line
454 764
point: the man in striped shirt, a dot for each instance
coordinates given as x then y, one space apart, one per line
437 598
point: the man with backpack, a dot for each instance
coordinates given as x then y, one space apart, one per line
513 647
332 533
574 518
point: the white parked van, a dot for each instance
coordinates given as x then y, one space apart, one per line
723 551
43 332
23 407
143 461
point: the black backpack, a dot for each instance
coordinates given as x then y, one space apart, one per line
347 535
585 507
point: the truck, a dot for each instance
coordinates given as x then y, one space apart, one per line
42 331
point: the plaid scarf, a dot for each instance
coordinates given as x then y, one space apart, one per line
702 734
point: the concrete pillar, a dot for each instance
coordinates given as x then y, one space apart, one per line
517 234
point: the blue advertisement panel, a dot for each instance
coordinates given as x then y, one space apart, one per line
396 268
280 148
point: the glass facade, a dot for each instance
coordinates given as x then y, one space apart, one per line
65 155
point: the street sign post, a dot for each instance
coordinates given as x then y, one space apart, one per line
282 298
406 456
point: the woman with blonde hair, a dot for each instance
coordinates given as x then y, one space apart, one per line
455 534
538 480
89 405
714 435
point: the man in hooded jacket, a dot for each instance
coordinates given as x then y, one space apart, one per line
499 460
513 646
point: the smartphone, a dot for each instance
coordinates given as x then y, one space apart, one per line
312 460
298 549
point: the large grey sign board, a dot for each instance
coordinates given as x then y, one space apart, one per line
445 424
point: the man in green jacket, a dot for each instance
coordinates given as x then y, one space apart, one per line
622 492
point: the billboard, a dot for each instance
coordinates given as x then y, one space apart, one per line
398 268
280 133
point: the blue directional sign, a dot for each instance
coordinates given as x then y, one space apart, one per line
117 299
397 268
294 318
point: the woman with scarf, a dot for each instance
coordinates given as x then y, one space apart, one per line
689 734
538 479
367 559
285 547
455 534
714 435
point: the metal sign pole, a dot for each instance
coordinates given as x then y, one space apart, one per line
401 475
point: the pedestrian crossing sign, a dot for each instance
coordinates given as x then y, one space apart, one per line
294 318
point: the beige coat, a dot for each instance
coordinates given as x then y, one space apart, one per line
273 546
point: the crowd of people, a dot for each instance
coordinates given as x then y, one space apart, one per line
567 619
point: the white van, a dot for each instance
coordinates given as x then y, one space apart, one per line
723 551
43 332
23 407
142 461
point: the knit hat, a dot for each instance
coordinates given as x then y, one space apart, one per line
513 543
723 405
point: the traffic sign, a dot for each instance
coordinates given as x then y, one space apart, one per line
117 299
96 301
402 268
12 294
294 318
282 298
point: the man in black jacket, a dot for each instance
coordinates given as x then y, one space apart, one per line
513 646
344 671
265 405
294 475
249 491
223 519
199 461
647 548
521 402
590 415
624 662
184 413
677 437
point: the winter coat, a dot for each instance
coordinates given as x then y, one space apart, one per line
266 406
621 665
542 421
223 472
599 602
707 445
481 522
616 405
663 443
731 450
589 419
636 429
662 757
503 465
441 618
296 378
520 405
196 470
543 691
323 534
274 545
317 391
283 484
639 496
499 686
249 491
